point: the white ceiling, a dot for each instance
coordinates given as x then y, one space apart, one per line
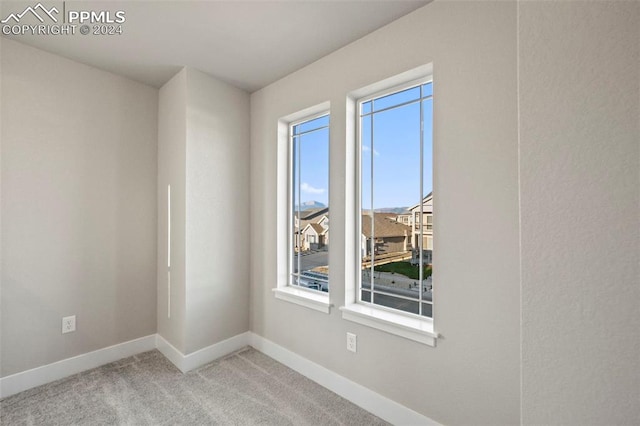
247 44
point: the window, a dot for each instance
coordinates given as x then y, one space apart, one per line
304 200
309 189
396 176
392 289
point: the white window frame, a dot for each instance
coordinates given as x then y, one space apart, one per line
417 328
284 290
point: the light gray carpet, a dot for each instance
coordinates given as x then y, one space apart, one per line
245 388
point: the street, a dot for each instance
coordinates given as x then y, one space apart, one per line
312 259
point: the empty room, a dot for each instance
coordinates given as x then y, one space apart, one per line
308 212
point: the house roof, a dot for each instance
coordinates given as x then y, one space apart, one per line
384 226
313 216
319 230
317 227
312 213
428 199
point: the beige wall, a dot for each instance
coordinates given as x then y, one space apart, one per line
217 206
81 192
203 154
78 207
473 376
172 161
580 185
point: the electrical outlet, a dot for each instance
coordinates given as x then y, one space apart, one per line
351 342
68 324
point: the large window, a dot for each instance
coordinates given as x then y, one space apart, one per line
396 180
309 203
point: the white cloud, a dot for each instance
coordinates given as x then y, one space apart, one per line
367 149
305 187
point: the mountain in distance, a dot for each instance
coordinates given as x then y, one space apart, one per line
307 205
394 210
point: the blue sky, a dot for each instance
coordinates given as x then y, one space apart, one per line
314 162
396 154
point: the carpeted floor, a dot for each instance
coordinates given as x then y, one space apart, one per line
245 388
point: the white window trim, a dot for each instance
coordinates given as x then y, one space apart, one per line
413 327
315 300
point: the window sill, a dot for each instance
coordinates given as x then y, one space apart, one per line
307 298
419 330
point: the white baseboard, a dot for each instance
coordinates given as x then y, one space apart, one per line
170 352
24 380
371 401
203 356
210 353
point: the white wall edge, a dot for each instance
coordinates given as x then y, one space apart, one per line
363 397
211 353
170 352
15 383
186 363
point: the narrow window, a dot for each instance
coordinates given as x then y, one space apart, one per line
396 199
309 203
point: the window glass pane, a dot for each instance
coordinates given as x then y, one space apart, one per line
410 306
366 108
311 125
295 214
396 157
427 111
427 310
366 235
311 205
427 164
412 94
396 185
427 89
366 162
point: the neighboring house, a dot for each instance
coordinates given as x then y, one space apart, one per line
310 214
324 222
405 219
311 229
313 236
427 236
390 236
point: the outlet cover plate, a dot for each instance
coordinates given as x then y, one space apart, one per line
68 324
352 342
